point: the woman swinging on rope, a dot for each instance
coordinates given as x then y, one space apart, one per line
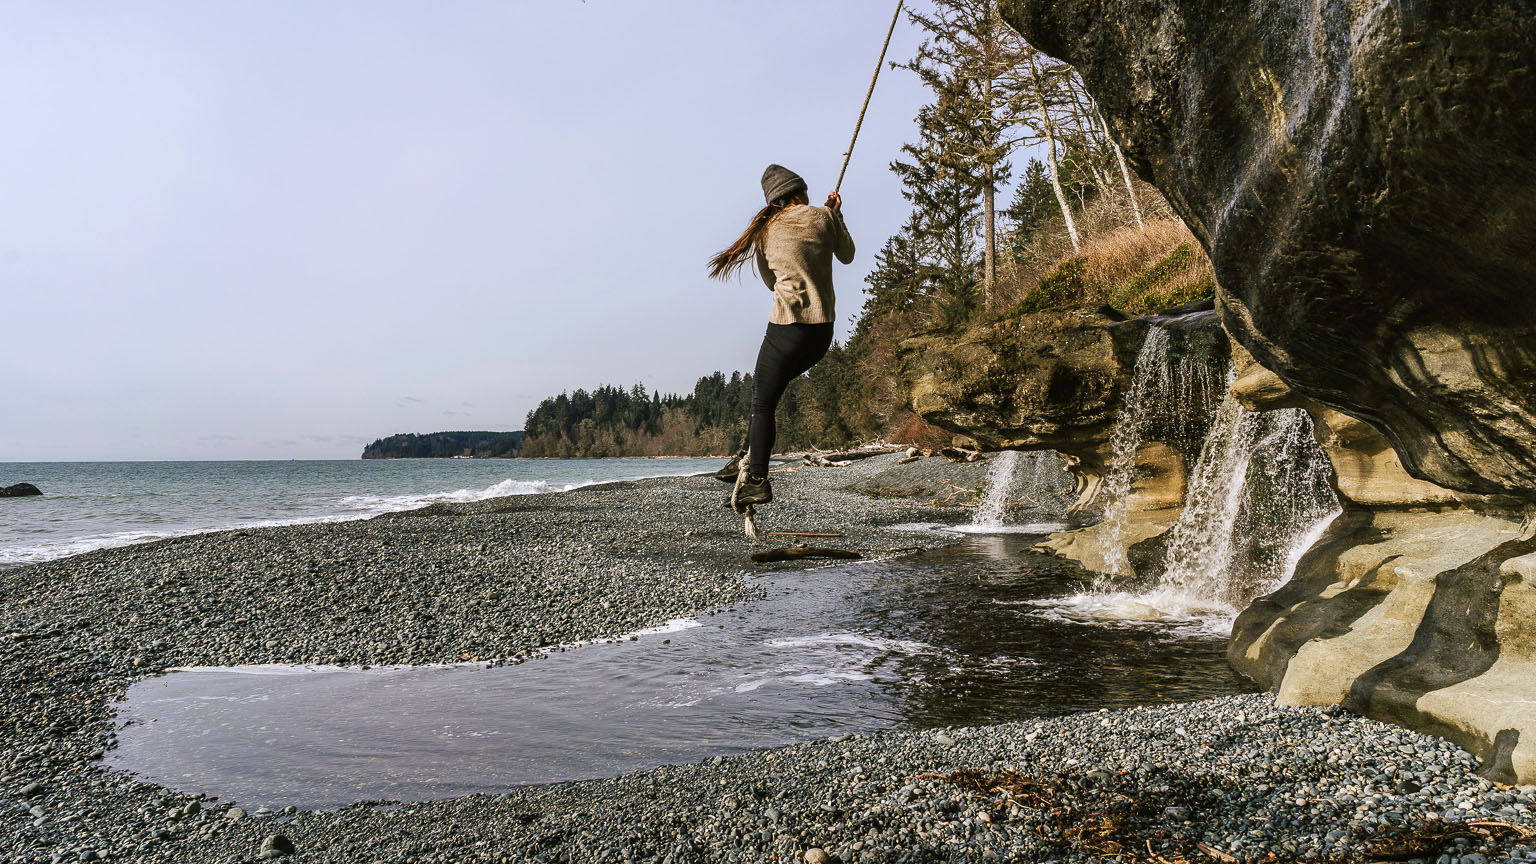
792 244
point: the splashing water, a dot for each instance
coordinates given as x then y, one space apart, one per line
1125 440
1260 489
1261 494
1204 540
1035 481
999 478
1171 399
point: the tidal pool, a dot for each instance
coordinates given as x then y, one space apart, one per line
949 637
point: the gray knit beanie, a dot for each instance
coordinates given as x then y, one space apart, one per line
779 181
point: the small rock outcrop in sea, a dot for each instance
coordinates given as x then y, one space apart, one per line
20 490
1363 179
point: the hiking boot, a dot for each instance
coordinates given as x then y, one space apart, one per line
732 468
751 492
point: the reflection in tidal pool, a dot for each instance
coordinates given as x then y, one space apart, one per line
946 637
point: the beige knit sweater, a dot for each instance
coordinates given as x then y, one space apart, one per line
796 263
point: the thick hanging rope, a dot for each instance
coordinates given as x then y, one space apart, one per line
750 512
868 93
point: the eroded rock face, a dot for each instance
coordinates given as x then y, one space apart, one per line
1363 179
1045 381
1057 380
1417 606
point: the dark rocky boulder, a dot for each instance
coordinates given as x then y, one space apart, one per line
20 490
1363 179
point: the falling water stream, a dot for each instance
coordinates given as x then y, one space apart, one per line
1033 484
1151 370
1259 496
1171 399
999 477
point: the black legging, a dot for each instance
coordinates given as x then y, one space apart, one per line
789 351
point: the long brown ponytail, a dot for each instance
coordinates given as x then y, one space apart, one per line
724 265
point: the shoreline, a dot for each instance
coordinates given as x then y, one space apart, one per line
66 547
490 579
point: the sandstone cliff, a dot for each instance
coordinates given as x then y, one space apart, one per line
1362 177
1415 607
1056 380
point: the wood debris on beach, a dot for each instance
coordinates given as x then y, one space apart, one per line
791 553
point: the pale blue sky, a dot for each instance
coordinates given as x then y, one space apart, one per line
282 229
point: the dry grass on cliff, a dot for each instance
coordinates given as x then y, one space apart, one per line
1127 253
1135 270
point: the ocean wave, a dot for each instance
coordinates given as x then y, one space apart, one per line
346 509
372 505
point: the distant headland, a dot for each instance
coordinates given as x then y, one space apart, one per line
446 445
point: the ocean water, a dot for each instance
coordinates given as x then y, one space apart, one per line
94 505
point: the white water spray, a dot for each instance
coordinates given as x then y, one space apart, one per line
1169 397
1259 497
1124 440
1035 482
999 478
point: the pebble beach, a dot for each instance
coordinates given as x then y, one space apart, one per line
495 581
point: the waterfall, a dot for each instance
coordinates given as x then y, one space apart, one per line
1125 439
1035 482
999 478
1203 541
1259 497
1170 399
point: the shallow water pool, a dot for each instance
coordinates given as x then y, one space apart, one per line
947 637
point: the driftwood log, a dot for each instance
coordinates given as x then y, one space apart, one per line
962 454
843 457
850 455
790 553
